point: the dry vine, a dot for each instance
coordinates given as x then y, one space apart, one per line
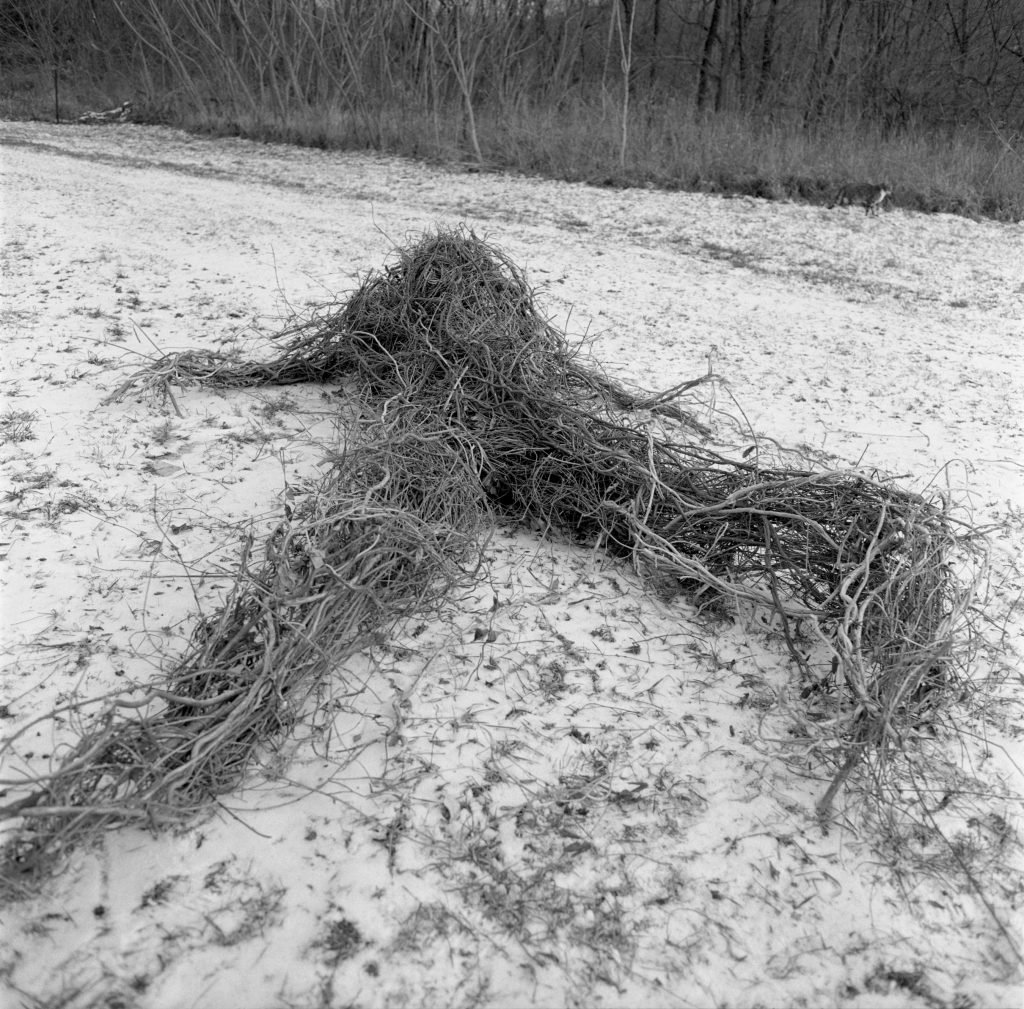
476 404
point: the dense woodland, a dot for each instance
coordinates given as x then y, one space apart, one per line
503 81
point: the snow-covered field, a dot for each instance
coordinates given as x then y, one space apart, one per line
564 790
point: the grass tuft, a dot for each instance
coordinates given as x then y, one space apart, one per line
17 425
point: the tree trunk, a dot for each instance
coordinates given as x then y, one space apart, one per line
711 52
764 76
831 28
655 33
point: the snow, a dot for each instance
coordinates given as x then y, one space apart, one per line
592 804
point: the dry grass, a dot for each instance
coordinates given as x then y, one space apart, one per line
975 170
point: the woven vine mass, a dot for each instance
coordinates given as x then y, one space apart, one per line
464 404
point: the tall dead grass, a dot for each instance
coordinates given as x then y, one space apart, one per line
973 172
977 172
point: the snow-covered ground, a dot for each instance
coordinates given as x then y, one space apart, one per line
564 790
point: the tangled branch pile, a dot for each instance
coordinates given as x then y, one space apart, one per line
480 405
385 535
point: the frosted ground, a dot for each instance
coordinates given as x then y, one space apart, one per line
563 789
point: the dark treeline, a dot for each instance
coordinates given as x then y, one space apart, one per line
355 72
893 62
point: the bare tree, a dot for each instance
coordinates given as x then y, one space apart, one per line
711 58
463 48
625 21
767 62
833 17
